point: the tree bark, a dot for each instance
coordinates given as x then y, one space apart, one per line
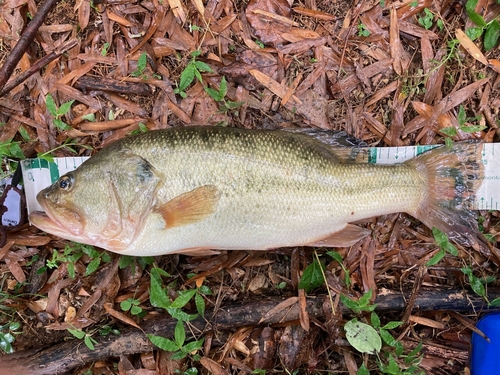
64 357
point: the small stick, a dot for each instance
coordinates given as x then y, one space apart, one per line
38 65
24 42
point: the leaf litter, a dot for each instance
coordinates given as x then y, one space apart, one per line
389 73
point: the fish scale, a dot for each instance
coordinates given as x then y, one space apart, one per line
199 188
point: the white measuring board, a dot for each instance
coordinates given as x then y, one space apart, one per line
39 173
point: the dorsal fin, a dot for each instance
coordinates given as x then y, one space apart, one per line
345 147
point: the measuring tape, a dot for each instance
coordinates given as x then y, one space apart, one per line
40 173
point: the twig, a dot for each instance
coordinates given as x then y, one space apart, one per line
38 65
24 42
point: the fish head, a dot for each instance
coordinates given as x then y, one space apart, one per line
103 203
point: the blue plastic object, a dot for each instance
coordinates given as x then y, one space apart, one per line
485 357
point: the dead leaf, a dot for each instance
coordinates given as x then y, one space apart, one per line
178 10
258 282
84 14
279 308
213 367
103 126
118 19
395 41
314 13
272 85
426 322
494 64
16 270
303 314
269 19
120 316
470 47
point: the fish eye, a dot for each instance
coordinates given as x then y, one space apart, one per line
65 183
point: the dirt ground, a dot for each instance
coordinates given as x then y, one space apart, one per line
389 73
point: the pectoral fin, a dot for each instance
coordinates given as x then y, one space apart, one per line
345 237
190 207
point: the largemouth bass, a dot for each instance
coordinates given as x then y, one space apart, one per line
189 190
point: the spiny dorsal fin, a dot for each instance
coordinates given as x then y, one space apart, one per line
190 207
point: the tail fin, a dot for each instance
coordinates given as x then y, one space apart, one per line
453 176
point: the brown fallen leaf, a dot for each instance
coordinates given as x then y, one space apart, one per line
303 314
279 308
83 14
178 10
118 19
315 14
272 85
470 47
257 283
494 64
213 367
16 270
54 294
449 102
5 249
26 238
302 46
395 41
269 19
426 322
103 126
158 19
120 316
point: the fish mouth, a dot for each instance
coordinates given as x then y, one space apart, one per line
42 221
51 221
45 223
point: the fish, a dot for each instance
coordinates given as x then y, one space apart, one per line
195 190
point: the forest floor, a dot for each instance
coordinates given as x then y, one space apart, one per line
389 73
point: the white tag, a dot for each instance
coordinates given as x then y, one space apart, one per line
11 217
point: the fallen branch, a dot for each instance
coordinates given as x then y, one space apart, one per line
88 83
24 42
38 65
63 357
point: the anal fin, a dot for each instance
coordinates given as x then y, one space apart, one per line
345 237
197 251
190 207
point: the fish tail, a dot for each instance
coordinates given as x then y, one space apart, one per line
453 175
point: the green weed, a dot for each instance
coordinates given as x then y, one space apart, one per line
490 30
426 19
7 336
464 124
11 149
191 71
219 96
159 297
89 341
362 30
71 253
57 113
